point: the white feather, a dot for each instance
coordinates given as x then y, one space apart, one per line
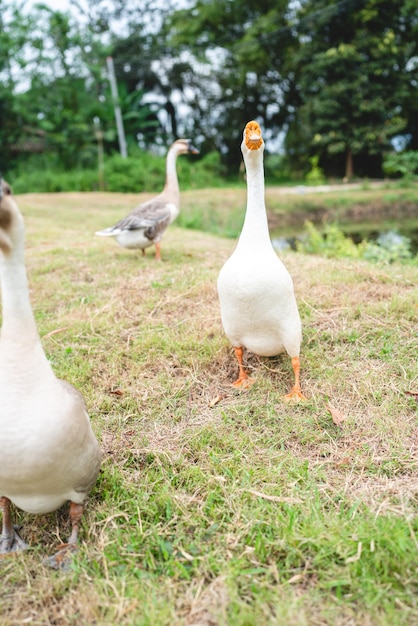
257 300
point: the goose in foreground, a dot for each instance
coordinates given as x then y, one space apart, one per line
257 299
146 223
48 452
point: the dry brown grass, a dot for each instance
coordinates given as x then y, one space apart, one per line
144 342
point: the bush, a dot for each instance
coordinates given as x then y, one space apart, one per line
332 242
315 176
403 163
143 171
49 180
278 169
389 247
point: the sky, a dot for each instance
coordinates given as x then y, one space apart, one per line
59 5
63 5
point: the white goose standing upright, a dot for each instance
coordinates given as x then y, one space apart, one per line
256 294
146 223
48 452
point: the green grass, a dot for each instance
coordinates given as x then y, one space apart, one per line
215 506
354 209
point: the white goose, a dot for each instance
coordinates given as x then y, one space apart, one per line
48 452
257 300
146 223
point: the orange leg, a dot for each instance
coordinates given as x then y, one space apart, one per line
157 252
295 394
60 560
243 379
9 539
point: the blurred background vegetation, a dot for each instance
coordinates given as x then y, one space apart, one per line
332 82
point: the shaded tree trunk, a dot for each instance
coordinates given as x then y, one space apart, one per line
173 118
349 173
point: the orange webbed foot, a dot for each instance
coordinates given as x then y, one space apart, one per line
243 382
295 396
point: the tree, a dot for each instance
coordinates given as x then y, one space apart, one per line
61 63
14 29
50 94
338 77
234 51
351 82
142 65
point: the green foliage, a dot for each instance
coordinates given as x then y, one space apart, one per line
201 173
389 248
144 171
315 176
404 163
140 123
278 169
352 81
216 505
337 76
245 78
331 242
51 180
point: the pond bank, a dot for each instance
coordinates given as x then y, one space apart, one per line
360 213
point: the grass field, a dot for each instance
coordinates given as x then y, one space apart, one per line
216 506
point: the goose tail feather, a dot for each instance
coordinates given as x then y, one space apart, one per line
107 232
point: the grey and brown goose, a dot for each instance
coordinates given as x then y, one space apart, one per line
48 452
144 226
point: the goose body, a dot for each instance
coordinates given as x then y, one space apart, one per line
256 294
48 453
144 226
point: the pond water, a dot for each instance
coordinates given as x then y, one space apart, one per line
379 236
358 233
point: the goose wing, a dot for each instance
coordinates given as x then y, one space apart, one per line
152 217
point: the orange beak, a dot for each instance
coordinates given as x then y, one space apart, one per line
253 138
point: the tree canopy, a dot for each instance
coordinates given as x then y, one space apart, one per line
331 79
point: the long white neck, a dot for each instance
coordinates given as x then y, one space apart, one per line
171 181
255 224
18 326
